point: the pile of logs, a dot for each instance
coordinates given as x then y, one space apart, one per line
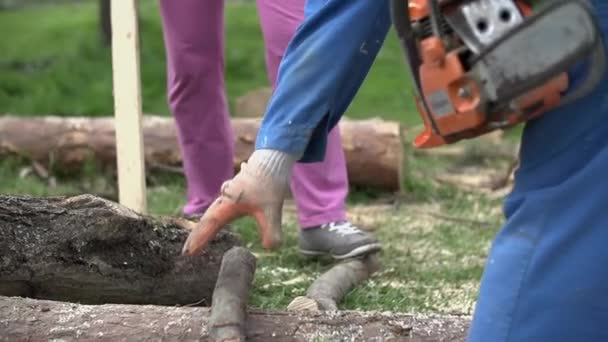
85 268
373 148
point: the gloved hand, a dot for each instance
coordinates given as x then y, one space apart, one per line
258 190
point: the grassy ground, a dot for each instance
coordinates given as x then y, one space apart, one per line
435 239
435 246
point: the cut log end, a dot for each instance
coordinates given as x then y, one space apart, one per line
303 303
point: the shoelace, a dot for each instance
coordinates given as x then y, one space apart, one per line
342 228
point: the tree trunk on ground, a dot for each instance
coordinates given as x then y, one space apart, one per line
374 149
38 320
89 250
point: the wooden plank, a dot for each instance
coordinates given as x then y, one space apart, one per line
127 104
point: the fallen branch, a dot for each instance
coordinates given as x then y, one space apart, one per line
40 320
330 288
229 307
90 250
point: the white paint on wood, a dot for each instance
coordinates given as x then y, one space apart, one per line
127 104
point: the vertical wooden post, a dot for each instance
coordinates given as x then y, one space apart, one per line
127 105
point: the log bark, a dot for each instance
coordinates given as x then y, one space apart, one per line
373 148
327 291
90 250
39 320
229 304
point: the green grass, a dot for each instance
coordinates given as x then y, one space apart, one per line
52 62
430 264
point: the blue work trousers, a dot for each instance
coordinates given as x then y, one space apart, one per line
546 277
323 67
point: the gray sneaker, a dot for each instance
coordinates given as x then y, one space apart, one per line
341 240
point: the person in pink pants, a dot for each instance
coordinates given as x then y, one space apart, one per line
193 32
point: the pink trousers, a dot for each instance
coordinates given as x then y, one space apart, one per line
194 40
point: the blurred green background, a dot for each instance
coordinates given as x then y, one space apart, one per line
53 60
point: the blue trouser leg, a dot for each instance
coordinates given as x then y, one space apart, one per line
546 277
324 66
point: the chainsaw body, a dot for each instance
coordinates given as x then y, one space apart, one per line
482 65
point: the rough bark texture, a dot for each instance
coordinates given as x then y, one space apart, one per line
329 289
89 250
228 321
374 148
38 320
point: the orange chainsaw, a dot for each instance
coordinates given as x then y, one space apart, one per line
482 65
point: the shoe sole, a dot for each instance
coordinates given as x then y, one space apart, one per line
365 249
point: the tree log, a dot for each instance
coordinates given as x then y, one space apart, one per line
373 148
90 250
39 320
229 304
330 288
